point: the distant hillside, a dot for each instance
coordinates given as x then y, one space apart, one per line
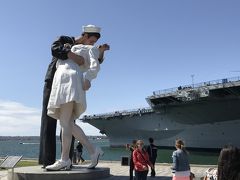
27 138
7 138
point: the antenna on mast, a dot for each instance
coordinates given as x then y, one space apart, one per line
192 76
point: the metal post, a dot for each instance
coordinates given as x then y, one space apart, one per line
12 173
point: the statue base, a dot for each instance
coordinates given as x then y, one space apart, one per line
76 173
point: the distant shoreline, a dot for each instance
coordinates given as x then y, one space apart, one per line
6 138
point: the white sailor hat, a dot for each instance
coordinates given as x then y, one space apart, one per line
91 29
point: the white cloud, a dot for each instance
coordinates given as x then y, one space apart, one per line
17 119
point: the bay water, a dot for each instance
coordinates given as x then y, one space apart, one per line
29 148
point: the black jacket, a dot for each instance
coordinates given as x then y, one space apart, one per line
58 52
152 151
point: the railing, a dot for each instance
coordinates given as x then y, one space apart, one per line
165 92
119 113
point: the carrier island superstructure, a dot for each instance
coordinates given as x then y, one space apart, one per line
205 115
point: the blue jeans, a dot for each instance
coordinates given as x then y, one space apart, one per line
141 175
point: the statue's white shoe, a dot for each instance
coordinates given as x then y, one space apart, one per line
60 165
95 157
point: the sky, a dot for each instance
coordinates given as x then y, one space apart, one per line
155 45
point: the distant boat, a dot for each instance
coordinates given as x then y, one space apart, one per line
28 143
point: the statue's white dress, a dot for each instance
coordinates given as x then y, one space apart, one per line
68 81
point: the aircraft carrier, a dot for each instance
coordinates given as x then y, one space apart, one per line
205 115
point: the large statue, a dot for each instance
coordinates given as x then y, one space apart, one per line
61 49
68 95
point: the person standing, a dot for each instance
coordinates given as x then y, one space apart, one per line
131 147
68 96
229 164
141 161
152 153
181 167
79 152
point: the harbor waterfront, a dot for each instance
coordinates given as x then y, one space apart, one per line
28 147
